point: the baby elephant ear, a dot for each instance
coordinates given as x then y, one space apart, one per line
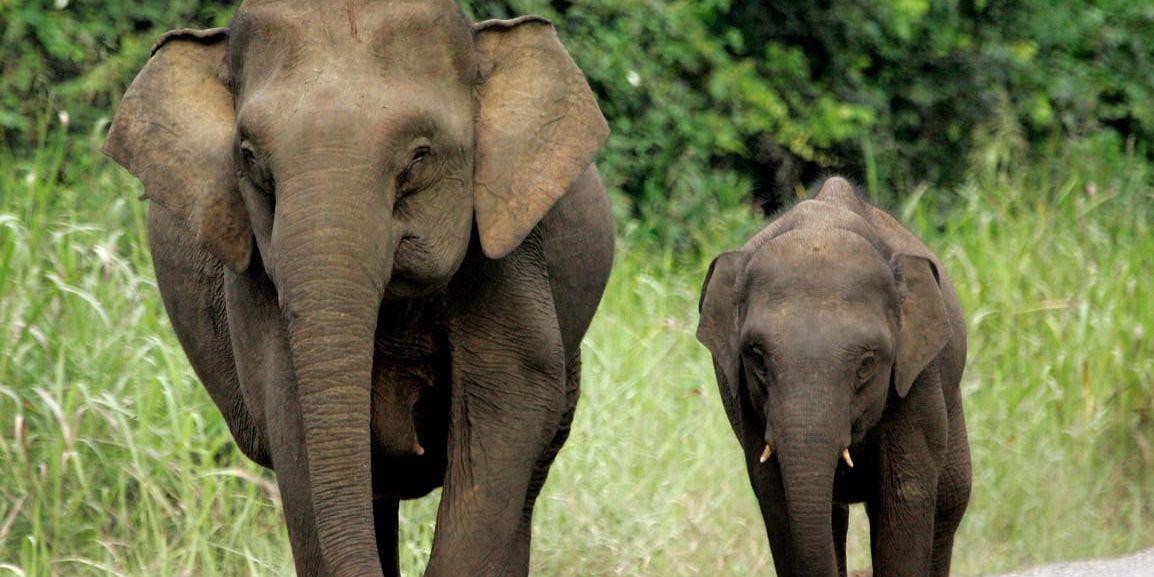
925 327
717 329
174 131
539 129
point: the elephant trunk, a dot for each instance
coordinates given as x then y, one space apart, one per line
334 263
808 459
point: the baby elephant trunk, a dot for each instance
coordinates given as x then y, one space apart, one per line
808 481
808 456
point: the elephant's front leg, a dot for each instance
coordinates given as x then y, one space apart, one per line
264 364
911 447
519 563
767 486
508 401
902 528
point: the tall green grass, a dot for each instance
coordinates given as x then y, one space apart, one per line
114 462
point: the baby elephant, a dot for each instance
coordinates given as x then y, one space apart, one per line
839 344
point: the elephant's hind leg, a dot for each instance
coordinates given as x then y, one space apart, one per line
953 497
385 518
840 530
191 283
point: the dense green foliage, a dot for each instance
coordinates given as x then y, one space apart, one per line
113 460
78 57
714 100
926 78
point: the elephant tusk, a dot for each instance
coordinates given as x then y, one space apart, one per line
845 457
765 454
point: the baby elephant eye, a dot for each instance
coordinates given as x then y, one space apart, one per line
755 354
867 367
757 359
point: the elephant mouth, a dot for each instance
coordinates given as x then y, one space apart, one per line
417 271
767 452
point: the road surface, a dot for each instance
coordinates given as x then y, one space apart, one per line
1136 565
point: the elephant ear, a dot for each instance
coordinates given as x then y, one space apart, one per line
717 329
539 129
925 326
174 131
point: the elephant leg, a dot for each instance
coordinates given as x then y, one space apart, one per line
263 359
943 549
485 513
911 449
901 536
766 481
519 563
508 399
291 462
191 283
385 519
840 530
953 495
770 492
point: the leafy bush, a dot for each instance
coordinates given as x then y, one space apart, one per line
703 94
78 57
928 79
716 102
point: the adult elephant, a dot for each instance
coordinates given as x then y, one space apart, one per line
380 237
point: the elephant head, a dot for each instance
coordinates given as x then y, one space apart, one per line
814 326
350 150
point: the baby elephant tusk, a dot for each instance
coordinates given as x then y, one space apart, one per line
765 454
845 457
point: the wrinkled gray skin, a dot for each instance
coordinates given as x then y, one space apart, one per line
380 237
834 328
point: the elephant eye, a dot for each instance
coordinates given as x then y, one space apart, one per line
254 169
248 156
867 367
757 360
420 154
410 180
